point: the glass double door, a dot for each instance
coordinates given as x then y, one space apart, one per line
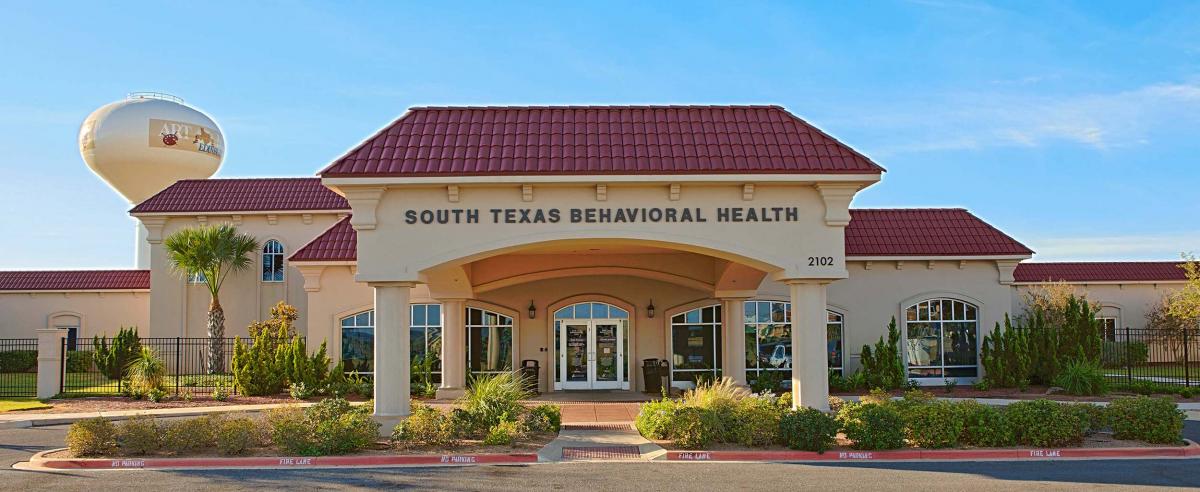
591 355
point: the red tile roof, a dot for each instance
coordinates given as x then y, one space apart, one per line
338 243
583 140
1109 271
872 232
243 195
75 280
926 232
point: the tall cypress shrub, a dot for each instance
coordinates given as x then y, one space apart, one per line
1006 356
883 367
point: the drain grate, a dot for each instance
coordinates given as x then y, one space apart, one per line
601 453
598 427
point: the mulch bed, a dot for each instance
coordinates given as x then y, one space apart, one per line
117 403
1032 393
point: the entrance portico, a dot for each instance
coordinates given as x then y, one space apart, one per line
695 228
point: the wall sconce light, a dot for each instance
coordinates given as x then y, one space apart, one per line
650 309
532 310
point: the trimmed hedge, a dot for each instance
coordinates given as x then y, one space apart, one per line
1045 423
807 429
872 426
1154 420
18 361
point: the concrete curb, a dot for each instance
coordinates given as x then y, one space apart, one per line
40 462
1191 450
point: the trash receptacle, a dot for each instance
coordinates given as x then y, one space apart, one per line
650 376
531 373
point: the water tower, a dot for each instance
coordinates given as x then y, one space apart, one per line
145 143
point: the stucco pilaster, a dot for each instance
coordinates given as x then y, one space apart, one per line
392 321
454 345
810 367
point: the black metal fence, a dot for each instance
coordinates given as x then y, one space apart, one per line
187 362
18 367
1153 357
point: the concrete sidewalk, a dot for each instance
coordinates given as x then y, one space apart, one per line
20 420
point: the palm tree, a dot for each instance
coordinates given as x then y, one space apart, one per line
210 254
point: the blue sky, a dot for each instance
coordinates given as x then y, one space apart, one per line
1072 126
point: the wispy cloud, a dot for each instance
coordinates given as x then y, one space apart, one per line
1144 247
980 120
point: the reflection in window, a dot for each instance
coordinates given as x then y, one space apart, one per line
1108 328
272 261
358 343
940 339
768 335
696 344
489 342
588 311
425 340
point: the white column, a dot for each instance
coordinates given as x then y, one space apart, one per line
392 313
733 361
49 361
454 345
810 367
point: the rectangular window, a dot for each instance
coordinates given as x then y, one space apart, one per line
696 344
1108 329
489 342
425 343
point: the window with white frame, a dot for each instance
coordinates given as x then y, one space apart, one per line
1108 328
941 339
833 339
489 342
358 343
425 340
696 344
768 332
197 278
272 261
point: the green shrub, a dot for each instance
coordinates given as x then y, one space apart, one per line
1154 420
1082 377
332 426
835 404
721 397
156 395
876 396
544 418
503 433
491 399
766 381
426 426
807 429
18 361
872 426
301 391
656 418
236 436
936 424
138 435
695 428
188 435
1004 354
882 366
220 392
145 371
1120 354
112 359
985 426
1044 423
257 367
755 422
79 361
92 437
290 431
1094 418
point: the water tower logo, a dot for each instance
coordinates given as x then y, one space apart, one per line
170 134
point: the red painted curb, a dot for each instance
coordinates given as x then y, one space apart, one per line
1192 449
281 461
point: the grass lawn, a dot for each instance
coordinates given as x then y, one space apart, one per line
1162 370
14 404
95 384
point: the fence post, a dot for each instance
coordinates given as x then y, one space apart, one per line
1128 358
178 361
1187 361
51 361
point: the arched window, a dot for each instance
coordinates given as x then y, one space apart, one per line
358 343
425 341
272 261
696 345
769 341
489 342
941 339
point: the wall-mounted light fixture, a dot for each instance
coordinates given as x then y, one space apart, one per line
650 309
532 310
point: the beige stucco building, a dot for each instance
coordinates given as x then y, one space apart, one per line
586 240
